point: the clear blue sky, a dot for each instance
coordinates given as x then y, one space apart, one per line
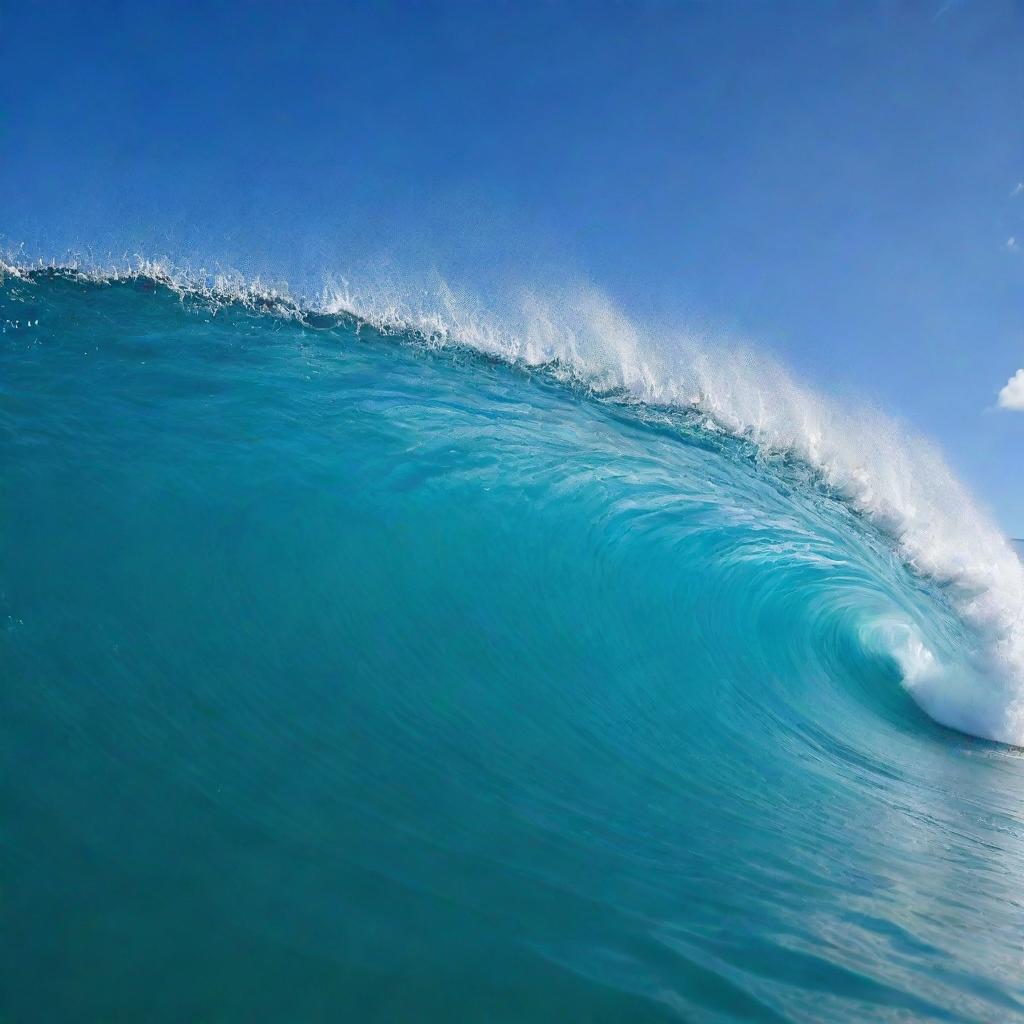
834 181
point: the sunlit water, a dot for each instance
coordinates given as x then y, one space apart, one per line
346 678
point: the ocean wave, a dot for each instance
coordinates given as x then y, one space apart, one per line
537 656
893 479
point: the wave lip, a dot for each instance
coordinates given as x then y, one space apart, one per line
896 480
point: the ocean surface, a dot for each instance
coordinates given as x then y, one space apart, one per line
359 664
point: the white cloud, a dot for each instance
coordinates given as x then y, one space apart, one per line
1018 190
1012 396
1011 243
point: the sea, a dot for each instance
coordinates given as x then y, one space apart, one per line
379 660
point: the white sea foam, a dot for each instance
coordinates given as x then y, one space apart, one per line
897 480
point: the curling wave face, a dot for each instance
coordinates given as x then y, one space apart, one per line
462 668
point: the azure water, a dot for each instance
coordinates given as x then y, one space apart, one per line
385 663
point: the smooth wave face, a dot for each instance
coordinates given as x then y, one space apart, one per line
350 676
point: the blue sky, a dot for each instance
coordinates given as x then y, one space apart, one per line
834 181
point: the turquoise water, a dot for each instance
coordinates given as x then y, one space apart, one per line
352 677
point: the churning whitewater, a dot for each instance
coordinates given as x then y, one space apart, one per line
535 657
